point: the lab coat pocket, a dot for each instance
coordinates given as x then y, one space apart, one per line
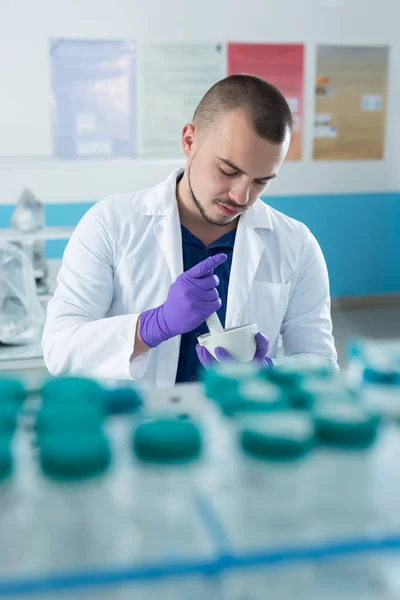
265 288
267 306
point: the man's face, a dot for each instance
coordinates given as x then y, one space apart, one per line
230 168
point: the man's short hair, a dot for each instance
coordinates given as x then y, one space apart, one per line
266 108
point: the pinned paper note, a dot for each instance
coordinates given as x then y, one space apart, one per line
351 89
283 66
371 102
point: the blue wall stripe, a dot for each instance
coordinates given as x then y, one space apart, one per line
359 235
55 214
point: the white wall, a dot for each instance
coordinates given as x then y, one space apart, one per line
25 136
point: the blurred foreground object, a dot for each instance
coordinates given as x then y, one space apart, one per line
28 217
21 314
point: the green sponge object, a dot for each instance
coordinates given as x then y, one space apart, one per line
313 391
71 456
345 424
225 377
252 396
12 390
278 436
8 417
6 462
123 401
296 369
167 441
384 376
73 418
65 390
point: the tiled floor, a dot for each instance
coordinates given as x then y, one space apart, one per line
368 322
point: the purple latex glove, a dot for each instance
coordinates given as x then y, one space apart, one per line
260 356
191 299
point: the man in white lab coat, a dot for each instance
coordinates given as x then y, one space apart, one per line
143 271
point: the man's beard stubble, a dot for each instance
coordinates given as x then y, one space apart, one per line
203 213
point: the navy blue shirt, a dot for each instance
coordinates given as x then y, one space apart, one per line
194 251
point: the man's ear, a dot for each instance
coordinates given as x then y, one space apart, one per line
188 134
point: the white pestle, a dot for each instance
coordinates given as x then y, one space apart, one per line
214 324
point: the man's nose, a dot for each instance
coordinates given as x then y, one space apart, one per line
240 194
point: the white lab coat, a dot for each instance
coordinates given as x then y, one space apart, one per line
127 251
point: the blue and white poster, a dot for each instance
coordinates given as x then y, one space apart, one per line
93 98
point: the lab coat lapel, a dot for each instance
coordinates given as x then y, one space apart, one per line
169 237
247 252
161 204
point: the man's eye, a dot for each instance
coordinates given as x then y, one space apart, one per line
259 182
227 174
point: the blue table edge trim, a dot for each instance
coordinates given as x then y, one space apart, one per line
206 567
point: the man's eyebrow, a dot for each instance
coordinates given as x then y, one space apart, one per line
242 171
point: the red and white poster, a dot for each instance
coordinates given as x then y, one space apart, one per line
283 66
